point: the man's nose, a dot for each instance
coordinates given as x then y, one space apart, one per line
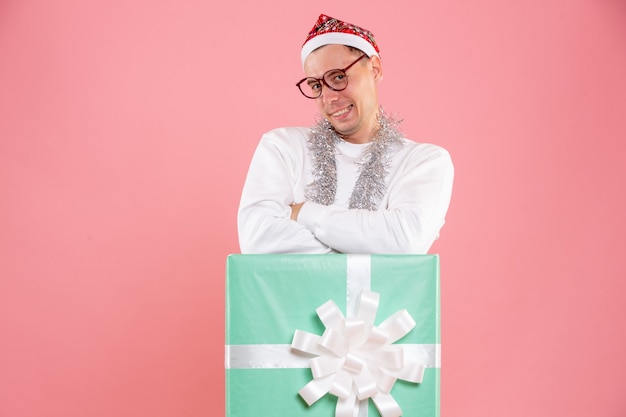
329 95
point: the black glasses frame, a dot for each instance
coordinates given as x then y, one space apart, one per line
322 80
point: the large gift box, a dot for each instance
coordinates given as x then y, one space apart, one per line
332 335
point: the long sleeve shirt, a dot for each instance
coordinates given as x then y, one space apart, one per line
407 221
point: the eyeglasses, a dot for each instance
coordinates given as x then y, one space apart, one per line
335 79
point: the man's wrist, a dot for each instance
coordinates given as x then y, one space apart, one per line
295 210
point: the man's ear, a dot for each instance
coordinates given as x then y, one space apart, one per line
377 68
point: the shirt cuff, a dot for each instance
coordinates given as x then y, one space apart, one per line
309 215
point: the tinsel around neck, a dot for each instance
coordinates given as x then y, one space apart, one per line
371 186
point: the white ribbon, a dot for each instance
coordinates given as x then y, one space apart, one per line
356 360
268 356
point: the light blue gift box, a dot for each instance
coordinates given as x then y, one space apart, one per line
269 297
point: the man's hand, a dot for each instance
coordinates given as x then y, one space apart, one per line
295 209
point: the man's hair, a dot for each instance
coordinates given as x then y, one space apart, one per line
355 51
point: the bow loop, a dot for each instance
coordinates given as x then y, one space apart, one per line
398 325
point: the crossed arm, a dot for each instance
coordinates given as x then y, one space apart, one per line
275 218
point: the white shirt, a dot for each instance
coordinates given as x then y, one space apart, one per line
408 220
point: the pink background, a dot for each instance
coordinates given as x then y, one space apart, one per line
126 128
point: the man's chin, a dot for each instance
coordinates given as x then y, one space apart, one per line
341 128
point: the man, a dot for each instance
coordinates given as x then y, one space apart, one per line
352 183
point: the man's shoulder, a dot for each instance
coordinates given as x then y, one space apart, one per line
424 150
288 134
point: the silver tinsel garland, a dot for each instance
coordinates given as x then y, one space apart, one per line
371 185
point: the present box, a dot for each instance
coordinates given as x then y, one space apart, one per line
269 297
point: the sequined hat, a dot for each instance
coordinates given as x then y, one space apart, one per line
328 30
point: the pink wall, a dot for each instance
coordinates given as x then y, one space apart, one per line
126 128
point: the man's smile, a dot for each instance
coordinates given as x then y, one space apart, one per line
343 111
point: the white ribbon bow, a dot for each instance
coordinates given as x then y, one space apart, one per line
356 360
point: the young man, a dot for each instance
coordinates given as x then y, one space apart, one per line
352 183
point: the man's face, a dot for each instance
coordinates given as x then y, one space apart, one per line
353 111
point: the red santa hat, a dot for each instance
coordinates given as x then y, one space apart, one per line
328 30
